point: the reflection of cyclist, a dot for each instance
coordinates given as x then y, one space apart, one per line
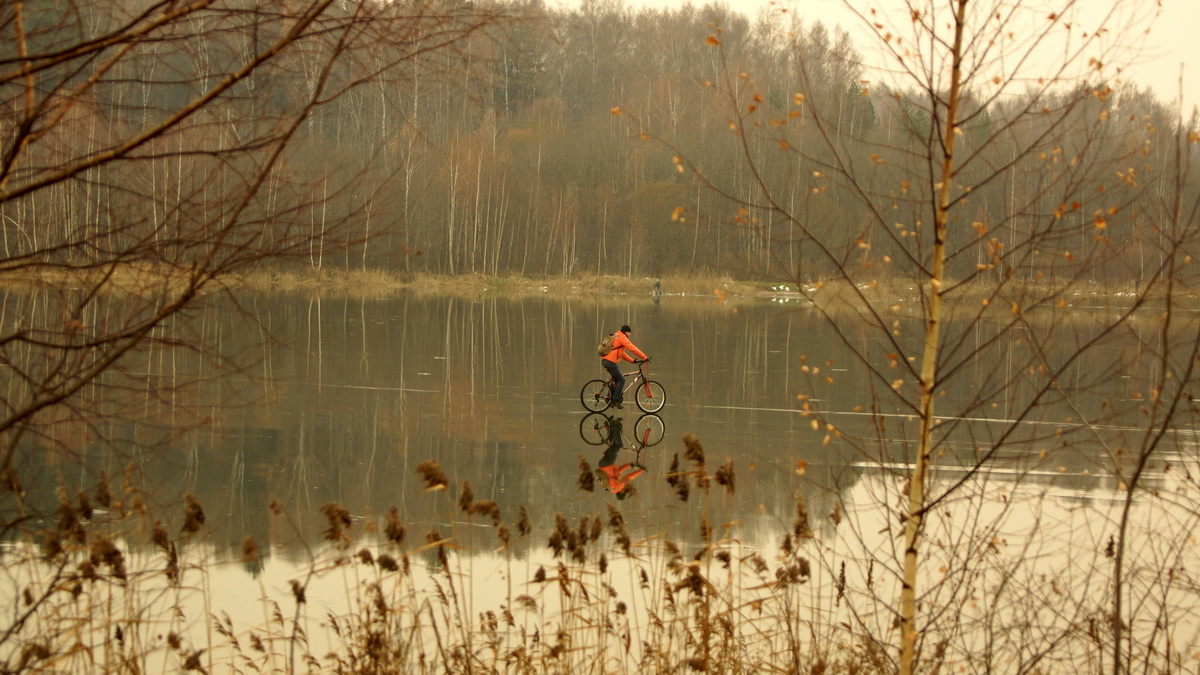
621 343
616 476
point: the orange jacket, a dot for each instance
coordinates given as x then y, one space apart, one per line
617 482
620 344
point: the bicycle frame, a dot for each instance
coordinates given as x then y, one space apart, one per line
635 377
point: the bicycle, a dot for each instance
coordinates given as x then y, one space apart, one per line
649 395
595 429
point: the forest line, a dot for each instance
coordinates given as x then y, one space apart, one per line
554 144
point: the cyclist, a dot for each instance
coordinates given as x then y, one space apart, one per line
621 344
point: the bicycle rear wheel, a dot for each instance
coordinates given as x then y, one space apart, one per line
651 396
595 395
595 429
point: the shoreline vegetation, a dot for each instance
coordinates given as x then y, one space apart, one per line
831 296
382 282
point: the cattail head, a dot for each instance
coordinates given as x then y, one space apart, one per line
85 505
617 523
431 472
51 545
105 552
193 514
677 480
339 519
800 526
486 507
615 519
69 522
365 557
465 497
523 525
159 536
674 555
586 480
725 476
394 530
249 549
102 495
693 450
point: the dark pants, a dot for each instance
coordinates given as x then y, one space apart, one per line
618 385
615 443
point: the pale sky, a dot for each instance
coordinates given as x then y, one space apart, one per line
1173 39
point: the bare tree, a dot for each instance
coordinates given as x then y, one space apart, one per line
148 152
965 219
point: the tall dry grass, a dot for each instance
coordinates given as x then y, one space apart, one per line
108 587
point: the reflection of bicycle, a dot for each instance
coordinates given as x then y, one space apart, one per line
649 395
596 428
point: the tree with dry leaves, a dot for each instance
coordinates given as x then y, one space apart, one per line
149 151
1000 230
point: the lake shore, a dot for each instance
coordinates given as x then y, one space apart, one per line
383 283
832 296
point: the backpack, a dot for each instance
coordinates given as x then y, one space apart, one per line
606 345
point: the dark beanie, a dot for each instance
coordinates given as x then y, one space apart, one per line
626 329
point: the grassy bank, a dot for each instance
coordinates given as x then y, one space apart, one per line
379 282
833 296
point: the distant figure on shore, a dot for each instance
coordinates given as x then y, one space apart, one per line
658 288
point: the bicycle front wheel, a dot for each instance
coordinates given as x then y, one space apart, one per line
649 430
595 395
651 396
